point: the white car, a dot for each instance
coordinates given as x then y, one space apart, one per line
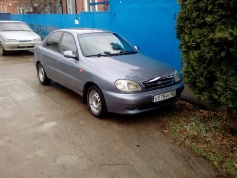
17 35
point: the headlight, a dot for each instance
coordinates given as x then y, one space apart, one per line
127 85
176 76
37 39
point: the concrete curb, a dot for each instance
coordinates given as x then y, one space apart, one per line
188 96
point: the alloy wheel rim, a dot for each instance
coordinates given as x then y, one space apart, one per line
41 74
95 102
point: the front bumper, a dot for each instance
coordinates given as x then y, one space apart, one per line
139 102
15 46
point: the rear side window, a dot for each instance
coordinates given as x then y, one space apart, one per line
14 26
52 42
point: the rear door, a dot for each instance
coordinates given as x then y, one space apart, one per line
50 55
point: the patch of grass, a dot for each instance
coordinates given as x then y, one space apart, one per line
205 133
230 167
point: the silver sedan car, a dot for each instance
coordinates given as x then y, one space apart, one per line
17 35
107 71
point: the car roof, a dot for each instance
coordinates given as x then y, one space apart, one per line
7 21
84 30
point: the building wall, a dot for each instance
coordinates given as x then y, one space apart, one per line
8 6
3 8
25 6
64 7
80 6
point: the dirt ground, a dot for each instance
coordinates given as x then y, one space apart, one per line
47 131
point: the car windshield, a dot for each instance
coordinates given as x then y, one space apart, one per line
13 26
104 44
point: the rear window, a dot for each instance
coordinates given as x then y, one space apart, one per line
14 26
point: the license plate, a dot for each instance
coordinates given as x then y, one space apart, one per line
24 45
164 96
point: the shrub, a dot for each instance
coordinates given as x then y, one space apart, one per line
207 30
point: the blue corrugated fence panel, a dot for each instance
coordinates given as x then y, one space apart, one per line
95 20
151 26
5 16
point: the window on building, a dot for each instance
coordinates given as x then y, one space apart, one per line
3 8
21 11
71 7
58 6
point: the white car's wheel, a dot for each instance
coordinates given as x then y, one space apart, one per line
43 79
96 102
2 50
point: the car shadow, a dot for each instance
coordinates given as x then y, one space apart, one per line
20 53
154 116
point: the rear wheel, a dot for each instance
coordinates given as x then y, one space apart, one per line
3 52
96 102
43 79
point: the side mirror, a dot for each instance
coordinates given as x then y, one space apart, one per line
137 48
69 54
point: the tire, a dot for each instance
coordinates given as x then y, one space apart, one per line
3 52
96 102
43 79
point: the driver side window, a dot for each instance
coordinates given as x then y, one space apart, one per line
68 43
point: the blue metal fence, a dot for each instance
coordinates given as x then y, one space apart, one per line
5 16
147 24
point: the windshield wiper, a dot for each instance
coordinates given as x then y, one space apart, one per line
97 55
112 54
24 30
7 30
125 52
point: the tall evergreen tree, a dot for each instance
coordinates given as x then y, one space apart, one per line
207 30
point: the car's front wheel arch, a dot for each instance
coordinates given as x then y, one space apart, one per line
42 76
86 87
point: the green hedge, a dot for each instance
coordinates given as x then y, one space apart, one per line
207 30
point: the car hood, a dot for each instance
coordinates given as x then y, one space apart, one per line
19 35
136 67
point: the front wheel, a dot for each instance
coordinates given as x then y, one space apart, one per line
43 79
3 52
96 102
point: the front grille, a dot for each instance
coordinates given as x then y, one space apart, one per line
158 82
24 41
22 47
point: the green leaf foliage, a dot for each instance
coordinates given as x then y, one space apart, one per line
207 30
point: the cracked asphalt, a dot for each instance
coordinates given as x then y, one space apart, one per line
47 132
